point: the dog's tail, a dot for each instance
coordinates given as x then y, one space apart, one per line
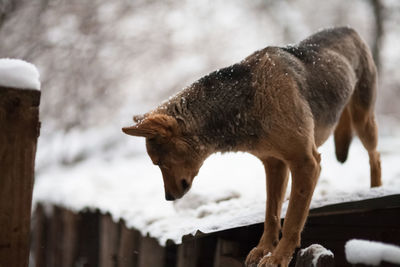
343 135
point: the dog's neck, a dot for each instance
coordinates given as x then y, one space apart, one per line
217 110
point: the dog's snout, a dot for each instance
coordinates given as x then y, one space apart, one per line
185 184
168 196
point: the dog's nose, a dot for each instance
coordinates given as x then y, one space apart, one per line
168 196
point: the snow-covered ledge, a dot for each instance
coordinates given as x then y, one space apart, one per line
16 73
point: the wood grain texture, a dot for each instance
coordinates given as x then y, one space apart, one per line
19 130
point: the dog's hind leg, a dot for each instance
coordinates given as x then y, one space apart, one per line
363 118
367 131
277 177
343 135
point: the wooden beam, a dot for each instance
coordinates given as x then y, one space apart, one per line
386 202
19 130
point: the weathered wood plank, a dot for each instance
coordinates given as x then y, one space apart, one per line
187 254
109 241
227 254
151 253
69 239
198 252
88 241
19 129
171 255
54 238
40 224
128 248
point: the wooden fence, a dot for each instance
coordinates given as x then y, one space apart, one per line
64 238
19 130
89 238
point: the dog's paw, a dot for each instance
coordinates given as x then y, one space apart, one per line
270 260
254 257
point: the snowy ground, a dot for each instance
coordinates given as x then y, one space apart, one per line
228 192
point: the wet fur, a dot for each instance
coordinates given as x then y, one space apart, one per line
279 104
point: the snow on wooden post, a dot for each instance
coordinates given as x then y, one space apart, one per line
19 130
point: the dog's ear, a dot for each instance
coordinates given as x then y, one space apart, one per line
154 125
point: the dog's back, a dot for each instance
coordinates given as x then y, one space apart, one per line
332 70
335 61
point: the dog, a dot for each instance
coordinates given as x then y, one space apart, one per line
279 104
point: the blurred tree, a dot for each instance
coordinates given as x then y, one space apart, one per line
7 7
98 56
378 10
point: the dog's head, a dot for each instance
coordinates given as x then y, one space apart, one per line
176 154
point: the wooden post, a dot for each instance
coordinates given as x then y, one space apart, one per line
19 130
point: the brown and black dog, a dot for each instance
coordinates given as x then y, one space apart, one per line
279 104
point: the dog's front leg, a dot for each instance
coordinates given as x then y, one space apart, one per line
305 171
276 177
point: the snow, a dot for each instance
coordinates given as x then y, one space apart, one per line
228 192
17 73
317 251
371 253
